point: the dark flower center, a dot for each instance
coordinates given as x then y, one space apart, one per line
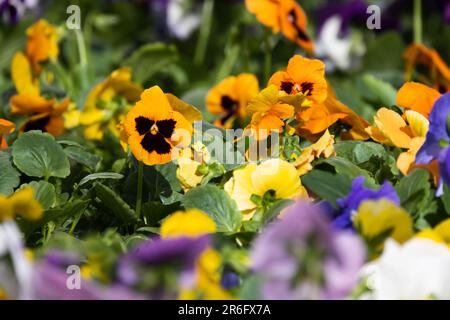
287 86
307 87
155 134
228 104
38 124
293 19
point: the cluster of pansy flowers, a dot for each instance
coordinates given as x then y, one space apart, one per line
297 101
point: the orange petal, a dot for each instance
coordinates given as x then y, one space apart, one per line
417 97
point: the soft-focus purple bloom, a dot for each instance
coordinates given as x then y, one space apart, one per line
302 257
359 193
354 10
179 254
12 10
437 140
447 13
50 282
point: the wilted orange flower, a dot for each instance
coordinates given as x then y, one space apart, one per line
420 55
268 112
286 16
305 76
418 97
42 43
321 148
319 117
6 127
230 97
154 128
45 114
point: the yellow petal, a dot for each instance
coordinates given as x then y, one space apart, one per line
417 122
376 217
22 75
191 223
24 204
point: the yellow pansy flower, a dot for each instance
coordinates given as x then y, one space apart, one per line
23 203
268 112
100 113
22 75
274 175
376 218
190 160
208 279
440 233
191 223
194 223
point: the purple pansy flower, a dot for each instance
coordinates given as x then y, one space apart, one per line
302 257
359 193
50 281
437 140
12 10
174 254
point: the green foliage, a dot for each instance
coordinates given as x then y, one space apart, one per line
37 154
9 177
217 204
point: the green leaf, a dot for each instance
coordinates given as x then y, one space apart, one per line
378 91
114 202
345 167
275 209
217 204
44 192
67 211
446 198
326 185
37 154
416 196
83 157
376 58
9 177
155 211
154 56
100 175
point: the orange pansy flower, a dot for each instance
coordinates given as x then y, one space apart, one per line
420 55
286 16
303 75
390 129
154 129
229 98
268 112
45 115
42 43
319 117
418 97
6 127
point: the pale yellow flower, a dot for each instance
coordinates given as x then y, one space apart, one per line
376 217
274 175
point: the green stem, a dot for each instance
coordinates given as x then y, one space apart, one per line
139 189
267 57
417 21
75 222
205 29
81 47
